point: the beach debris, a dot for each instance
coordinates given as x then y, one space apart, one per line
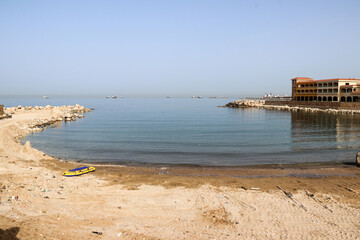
244 188
98 233
119 234
14 198
351 190
46 197
311 195
255 188
290 196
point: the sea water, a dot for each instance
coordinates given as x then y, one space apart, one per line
195 132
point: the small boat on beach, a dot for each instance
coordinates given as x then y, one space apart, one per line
78 171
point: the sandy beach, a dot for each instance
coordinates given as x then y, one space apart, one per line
162 202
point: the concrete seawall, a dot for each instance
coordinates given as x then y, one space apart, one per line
353 108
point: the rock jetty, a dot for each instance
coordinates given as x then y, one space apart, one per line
263 104
57 115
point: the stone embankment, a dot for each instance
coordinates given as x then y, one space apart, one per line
58 115
263 104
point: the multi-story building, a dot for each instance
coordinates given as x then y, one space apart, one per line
328 90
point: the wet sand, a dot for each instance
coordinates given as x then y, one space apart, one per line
320 201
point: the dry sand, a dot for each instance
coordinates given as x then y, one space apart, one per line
36 202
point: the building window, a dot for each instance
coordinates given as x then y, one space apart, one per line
330 85
335 99
347 83
342 99
319 85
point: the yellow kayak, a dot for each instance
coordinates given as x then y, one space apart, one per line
78 171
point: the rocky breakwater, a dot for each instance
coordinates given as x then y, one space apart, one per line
245 103
264 105
56 115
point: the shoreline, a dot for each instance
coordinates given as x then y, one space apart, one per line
70 113
143 202
287 107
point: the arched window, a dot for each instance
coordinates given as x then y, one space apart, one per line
335 99
342 99
329 99
319 99
349 99
324 99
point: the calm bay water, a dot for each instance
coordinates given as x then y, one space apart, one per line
195 131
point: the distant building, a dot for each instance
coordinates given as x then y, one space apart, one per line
328 90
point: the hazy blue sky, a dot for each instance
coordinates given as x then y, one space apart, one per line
175 48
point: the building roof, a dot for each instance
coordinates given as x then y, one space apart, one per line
303 79
306 79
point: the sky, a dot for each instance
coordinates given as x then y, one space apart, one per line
174 48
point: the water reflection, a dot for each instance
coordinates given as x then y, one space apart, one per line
324 131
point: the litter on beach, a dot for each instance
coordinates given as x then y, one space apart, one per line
78 171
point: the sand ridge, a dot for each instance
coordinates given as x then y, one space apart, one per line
36 202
